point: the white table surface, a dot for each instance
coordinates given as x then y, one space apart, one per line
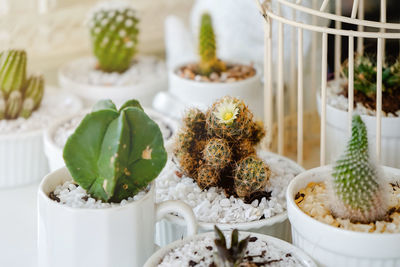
18 223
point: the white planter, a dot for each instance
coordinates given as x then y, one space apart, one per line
184 93
22 157
172 227
337 130
143 91
54 152
120 236
284 246
331 246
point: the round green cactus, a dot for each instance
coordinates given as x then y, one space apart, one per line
114 154
19 97
207 176
217 153
114 33
251 175
356 185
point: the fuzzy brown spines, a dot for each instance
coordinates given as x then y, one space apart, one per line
195 120
244 149
251 175
257 132
217 153
188 165
207 176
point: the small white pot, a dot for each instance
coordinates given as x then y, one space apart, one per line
54 152
331 246
184 93
120 236
22 157
337 130
160 254
90 93
173 227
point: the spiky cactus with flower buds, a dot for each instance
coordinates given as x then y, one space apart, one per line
114 33
356 184
19 96
207 48
217 148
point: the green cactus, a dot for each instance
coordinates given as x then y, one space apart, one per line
357 193
233 256
113 154
251 175
207 48
217 153
19 97
114 33
207 176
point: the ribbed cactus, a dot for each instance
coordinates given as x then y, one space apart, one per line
19 97
217 153
114 33
357 192
207 47
251 175
114 154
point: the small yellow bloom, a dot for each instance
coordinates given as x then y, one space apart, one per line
226 111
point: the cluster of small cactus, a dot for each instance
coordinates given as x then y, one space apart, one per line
19 95
113 154
207 48
217 148
356 187
114 33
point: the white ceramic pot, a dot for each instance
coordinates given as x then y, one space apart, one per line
90 93
337 130
184 93
331 246
54 152
120 236
160 254
172 227
22 157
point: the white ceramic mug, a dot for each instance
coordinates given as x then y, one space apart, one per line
109 237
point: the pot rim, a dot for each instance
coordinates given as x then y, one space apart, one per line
63 171
297 212
160 254
278 218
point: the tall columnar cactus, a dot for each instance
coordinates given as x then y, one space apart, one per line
19 96
251 175
114 33
357 192
207 47
114 154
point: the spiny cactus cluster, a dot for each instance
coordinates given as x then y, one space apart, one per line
356 184
19 95
114 154
207 48
217 148
114 33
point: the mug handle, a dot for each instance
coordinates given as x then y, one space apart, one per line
180 207
168 104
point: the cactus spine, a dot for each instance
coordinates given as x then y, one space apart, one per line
356 185
207 48
114 33
114 154
19 97
217 153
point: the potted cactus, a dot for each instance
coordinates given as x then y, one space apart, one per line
220 172
365 78
226 250
200 84
115 71
348 213
100 210
23 117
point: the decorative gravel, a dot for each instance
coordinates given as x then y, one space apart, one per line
74 196
214 207
341 102
54 105
68 127
200 253
313 201
143 70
